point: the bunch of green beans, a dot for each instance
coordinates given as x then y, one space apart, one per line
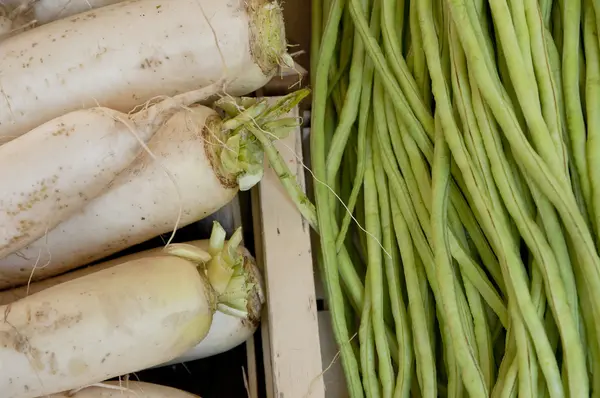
455 146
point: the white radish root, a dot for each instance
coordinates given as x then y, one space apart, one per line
109 323
141 203
118 320
226 331
51 172
193 164
125 54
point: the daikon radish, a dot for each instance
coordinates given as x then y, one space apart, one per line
124 54
207 164
42 12
128 389
122 319
226 331
51 172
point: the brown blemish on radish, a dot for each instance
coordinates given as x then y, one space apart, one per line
35 358
16 240
63 130
13 340
150 63
39 193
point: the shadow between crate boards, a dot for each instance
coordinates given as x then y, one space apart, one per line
224 375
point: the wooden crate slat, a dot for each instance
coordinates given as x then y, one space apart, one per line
252 369
283 239
264 324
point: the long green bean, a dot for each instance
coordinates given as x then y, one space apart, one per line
374 270
472 271
363 123
562 198
592 52
454 147
518 209
507 373
571 16
392 48
471 373
481 330
539 131
515 276
455 385
424 353
330 263
421 133
405 363
348 114
592 58
542 251
367 348
546 80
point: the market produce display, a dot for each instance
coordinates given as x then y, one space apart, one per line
454 145
110 138
454 148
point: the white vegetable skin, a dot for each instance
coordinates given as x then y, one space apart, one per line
45 11
226 331
141 203
51 172
122 55
129 389
116 321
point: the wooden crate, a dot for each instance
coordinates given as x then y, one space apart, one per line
296 305
299 350
290 328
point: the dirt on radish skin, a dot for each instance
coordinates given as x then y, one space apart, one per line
141 203
113 322
124 54
226 331
53 171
